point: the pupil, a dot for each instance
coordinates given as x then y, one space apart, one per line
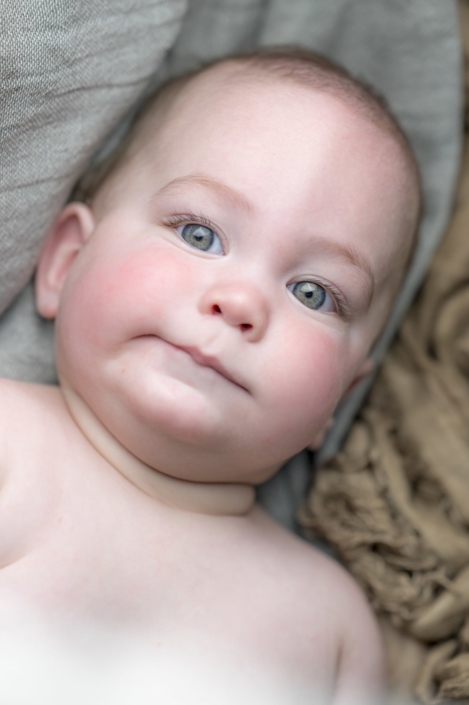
198 235
311 294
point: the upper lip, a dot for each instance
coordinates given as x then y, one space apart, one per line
210 361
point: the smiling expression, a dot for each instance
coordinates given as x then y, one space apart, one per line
239 268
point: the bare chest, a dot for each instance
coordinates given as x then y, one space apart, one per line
81 546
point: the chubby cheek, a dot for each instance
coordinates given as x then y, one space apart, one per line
108 300
124 294
307 380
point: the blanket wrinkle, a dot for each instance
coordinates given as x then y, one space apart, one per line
394 503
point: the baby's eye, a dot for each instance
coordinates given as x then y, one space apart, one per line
313 296
201 237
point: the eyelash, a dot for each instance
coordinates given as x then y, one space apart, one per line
187 218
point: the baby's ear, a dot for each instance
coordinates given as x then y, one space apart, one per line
364 370
318 439
67 235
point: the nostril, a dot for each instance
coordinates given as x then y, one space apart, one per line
216 308
246 326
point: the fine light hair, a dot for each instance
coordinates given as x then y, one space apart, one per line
291 64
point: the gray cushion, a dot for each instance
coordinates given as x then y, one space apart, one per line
69 70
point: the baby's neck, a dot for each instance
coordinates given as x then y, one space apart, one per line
201 497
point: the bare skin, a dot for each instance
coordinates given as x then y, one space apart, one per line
189 375
82 544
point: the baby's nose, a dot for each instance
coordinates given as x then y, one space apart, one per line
241 305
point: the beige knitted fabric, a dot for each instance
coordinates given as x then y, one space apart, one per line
395 501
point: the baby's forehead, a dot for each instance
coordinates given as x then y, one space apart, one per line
216 83
213 100
240 82
225 91
253 83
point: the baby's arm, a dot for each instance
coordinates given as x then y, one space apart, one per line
361 677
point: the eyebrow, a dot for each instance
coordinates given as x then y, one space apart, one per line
355 258
239 201
236 198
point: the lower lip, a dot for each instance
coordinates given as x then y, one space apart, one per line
201 364
179 353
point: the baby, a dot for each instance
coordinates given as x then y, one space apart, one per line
215 295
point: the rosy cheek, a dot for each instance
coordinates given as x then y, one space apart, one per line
114 298
153 270
309 370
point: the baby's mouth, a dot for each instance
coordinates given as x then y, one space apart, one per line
201 359
210 361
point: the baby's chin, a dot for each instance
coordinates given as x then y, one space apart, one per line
177 430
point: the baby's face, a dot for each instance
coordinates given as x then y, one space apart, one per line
238 270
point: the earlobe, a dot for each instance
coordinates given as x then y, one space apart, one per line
67 235
317 441
364 370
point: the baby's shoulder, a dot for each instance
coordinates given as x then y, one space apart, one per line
20 401
323 615
297 556
24 411
318 587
